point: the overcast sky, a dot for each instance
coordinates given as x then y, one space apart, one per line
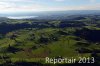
47 5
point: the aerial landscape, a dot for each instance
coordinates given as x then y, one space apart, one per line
49 32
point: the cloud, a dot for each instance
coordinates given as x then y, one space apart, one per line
59 0
37 7
30 5
92 1
5 7
18 5
15 0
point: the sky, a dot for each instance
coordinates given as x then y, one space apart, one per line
7 6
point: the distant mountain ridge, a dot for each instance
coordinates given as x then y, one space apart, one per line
53 14
69 12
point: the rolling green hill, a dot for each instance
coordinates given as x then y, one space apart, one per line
33 40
